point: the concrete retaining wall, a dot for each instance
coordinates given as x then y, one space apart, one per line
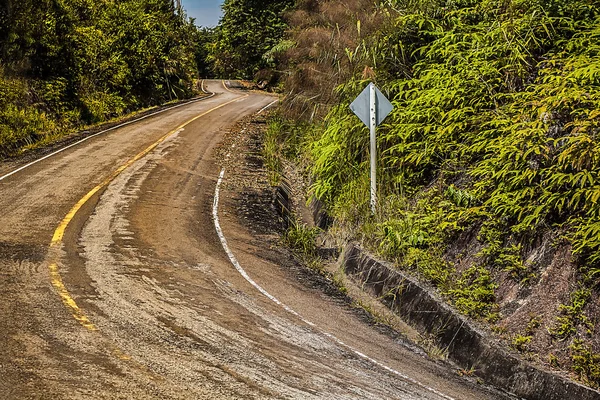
467 346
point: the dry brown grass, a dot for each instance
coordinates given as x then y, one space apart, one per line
323 31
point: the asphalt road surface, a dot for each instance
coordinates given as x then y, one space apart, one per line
118 282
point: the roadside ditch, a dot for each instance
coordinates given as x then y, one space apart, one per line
394 302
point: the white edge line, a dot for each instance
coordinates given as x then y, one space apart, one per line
266 107
242 272
102 132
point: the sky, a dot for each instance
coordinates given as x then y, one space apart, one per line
206 12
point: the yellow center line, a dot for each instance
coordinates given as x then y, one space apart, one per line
226 88
59 233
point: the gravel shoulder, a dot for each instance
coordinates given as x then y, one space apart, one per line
256 226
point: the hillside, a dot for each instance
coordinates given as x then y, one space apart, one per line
489 165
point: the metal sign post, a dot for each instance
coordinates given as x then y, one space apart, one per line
371 106
373 128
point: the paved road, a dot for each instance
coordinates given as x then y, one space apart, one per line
115 283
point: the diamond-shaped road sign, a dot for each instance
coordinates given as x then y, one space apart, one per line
371 106
362 105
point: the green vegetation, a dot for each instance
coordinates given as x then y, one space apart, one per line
473 293
493 130
572 316
282 141
272 148
491 149
248 39
302 239
521 342
586 363
67 63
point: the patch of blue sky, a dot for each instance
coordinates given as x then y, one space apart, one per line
206 12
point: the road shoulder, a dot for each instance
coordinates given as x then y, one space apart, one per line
254 228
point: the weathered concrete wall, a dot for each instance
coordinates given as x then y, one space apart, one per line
467 346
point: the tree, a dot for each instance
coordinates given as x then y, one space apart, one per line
65 63
205 37
247 31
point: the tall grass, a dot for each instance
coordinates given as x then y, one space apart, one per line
494 135
21 124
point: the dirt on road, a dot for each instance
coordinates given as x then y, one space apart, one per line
116 284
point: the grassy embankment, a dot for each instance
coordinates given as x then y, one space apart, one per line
489 166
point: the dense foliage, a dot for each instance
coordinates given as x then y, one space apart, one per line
65 63
246 36
495 123
493 144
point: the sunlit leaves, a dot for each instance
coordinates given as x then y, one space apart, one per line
497 108
67 63
248 37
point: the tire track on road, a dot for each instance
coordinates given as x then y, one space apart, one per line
59 233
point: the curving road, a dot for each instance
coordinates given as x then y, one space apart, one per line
116 284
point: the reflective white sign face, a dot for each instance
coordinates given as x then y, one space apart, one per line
361 106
